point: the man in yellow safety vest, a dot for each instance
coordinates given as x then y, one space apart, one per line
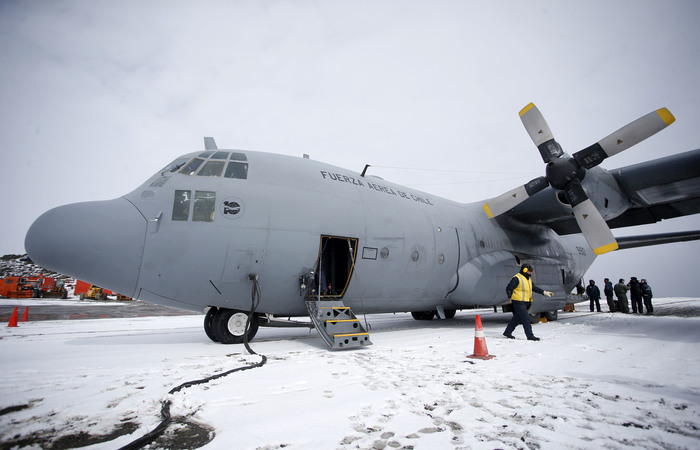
520 291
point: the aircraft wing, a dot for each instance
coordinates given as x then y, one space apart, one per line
659 189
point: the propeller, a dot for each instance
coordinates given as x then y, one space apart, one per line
565 173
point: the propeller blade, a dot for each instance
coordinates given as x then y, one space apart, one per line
539 132
624 138
589 219
594 228
514 197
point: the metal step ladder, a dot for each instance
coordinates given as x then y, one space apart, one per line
337 324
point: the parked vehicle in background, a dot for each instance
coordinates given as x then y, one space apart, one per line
32 287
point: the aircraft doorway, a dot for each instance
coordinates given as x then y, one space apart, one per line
335 265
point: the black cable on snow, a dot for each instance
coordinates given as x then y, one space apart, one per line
165 404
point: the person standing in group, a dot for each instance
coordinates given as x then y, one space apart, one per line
519 290
621 294
636 296
608 291
593 295
647 295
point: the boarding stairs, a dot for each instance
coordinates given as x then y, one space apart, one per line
337 324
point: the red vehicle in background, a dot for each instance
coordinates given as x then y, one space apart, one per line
32 287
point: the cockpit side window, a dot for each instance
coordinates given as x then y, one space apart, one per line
237 170
173 166
204 206
181 205
192 166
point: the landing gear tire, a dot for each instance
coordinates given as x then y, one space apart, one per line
209 323
423 315
534 318
450 313
229 326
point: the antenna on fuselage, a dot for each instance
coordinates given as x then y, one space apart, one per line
364 170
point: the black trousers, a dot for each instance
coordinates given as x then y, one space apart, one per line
637 305
520 317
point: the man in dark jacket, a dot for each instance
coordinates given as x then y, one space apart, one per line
593 295
520 291
636 296
608 291
647 295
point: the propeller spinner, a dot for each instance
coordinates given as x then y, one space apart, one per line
565 172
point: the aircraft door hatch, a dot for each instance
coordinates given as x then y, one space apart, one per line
334 266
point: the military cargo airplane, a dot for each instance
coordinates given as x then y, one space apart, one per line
233 233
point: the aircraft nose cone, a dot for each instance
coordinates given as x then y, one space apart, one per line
97 242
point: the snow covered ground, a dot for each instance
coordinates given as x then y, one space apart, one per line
594 381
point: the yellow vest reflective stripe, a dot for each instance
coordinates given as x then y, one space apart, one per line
523 292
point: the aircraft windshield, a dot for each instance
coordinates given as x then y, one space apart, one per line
214 164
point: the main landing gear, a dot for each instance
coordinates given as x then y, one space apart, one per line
428 315
551 316
227 326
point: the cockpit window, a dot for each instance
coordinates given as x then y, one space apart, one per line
181 205
237 170
212 169
192 166
173 166
204 205
212 163
220 155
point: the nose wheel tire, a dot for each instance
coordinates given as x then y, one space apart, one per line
228 326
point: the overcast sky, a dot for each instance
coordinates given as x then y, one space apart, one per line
95 96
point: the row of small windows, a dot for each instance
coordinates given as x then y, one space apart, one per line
233 156
213 164
203 206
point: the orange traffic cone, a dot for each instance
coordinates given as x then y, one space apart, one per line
480 350
25 316
13 318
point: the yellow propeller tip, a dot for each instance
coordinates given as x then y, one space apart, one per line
605 248
666 116
526 109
